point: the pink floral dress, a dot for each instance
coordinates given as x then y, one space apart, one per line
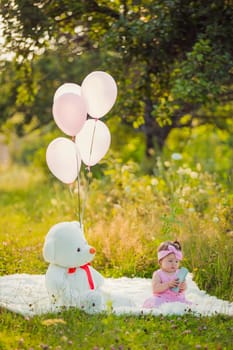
167 296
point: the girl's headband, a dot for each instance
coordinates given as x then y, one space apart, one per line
170 250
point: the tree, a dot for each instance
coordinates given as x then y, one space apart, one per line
172 59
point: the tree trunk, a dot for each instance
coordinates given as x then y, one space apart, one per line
155 134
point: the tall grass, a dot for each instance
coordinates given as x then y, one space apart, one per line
133 214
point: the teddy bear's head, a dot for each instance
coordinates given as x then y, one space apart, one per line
66 246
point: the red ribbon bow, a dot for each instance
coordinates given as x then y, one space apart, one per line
88 272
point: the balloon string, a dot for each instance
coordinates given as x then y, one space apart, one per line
92 141
81 212
78 187
89 172
87 190
79 202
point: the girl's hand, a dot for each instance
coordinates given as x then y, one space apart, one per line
182 286
173 283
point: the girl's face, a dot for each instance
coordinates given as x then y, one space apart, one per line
169 263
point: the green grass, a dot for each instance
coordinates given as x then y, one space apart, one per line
125 222
74 329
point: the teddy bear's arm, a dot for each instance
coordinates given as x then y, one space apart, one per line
55 278
58 287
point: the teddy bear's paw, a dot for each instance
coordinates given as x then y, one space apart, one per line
92 302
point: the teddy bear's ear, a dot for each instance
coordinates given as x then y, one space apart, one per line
77 224
49 251
79 227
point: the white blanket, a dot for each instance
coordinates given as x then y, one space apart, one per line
26 294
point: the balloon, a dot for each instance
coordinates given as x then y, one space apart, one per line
70 113
63 159
67 88
99 90
93 141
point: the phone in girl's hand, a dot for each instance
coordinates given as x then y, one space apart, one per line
182 273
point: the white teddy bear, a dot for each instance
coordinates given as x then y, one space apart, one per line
70 280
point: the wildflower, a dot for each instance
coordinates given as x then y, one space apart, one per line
194 175
191 210
54 202
215 219
166 164
127 189
64 338
184 171
186 190
154 182
176 156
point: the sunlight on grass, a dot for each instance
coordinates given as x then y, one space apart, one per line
15 178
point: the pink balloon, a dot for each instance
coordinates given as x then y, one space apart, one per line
67 88
63 159
99 90
93 141
70 113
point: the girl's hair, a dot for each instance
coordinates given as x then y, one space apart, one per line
164 245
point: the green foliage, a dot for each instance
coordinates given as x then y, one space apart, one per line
204 147
74 329
196 78
169 58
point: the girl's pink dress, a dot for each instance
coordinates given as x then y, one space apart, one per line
167 296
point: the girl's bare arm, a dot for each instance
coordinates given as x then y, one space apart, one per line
159 287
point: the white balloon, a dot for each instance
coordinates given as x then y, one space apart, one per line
69 112
99 90
63 159
67 88
93 141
